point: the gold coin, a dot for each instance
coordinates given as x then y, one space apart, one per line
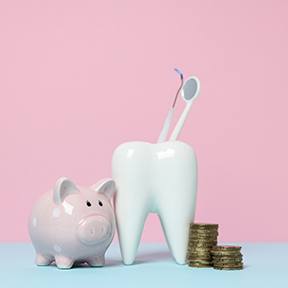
197 265
198 238
231 261
205 251
216 252
199 253
203 257
200 261
204 225
203 240
200 266
225 254
226 257
202 253
228 268
227 248
203 230
201 243
203 236
228 264
200 246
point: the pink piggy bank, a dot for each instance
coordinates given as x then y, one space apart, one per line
73 224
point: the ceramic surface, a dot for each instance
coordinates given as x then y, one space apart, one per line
72 223
159 178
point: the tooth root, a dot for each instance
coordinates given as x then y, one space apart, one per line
175 223
130 216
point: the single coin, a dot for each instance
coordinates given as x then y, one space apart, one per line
227 248
194 240
195 243
202 253
227 258
199 257
199 247
204 225
193 251
199 261
203 235
228 268
203 239
236 265
202 262
226 254
196 265
220 262
203 229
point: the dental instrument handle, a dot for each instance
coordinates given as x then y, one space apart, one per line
179 126
166 126
190 92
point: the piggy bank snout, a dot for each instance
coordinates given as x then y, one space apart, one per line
94 229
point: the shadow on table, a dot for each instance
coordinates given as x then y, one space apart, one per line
143 258
153 257
140 259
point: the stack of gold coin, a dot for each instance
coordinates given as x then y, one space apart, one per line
202 237
227 257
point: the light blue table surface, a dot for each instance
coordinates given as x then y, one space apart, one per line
265 266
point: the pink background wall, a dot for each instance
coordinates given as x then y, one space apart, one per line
77 78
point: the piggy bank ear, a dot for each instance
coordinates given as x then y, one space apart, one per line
63 187
106 187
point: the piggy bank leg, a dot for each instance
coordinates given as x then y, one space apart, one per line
42 260
97 261
63 262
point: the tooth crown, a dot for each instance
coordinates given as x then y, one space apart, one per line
159 178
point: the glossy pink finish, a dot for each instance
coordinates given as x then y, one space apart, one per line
73 224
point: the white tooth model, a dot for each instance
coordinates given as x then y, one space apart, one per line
159 178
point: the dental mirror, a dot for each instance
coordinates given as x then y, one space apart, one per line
189 93
190 88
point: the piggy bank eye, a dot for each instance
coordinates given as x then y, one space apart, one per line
100 203
88 203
